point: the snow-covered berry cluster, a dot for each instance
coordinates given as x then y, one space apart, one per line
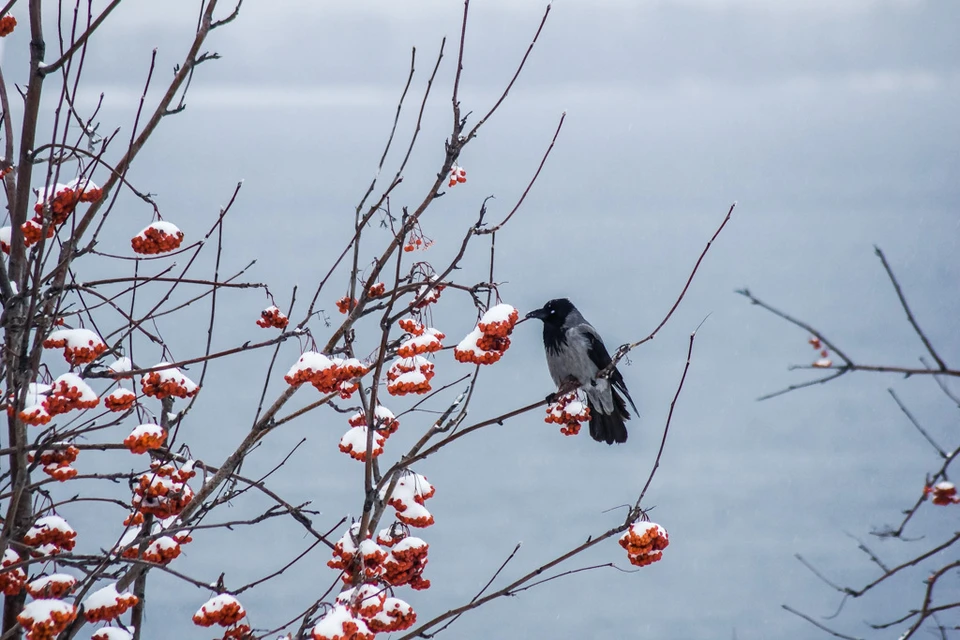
145 437
644 542
273 317
69 392
57 585
354 441
458 175
169 381
224 610
11 580
50 535
943 493
490 339
395 557
409 375
569 412
327 375
107 604
409 494
46 618
157 237
55 205
80 346
423 340
119 399
824 361
163 491
57 462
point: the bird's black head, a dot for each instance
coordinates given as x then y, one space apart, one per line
554 312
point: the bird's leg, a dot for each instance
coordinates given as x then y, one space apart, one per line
569 385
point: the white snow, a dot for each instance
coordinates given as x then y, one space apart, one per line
497 314
173 374
82 184
76 338
111 633
121 365
310 361
355 439
470 342
120 394
147 429
423 343
43 609
331 625
410 377
105 598
50 523
163 227
219 602
408 543
57 578
69 380
44 193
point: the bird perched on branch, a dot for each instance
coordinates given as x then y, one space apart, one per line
575 352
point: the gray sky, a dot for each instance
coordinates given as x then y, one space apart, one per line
832 124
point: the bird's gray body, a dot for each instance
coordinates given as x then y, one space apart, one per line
573 360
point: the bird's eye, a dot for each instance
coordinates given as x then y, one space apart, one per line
552 311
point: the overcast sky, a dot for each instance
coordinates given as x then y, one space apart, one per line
833 124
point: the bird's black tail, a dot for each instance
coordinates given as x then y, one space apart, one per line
609 427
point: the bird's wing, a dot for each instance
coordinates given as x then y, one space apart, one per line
598 354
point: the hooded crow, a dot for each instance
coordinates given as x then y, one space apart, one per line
575 350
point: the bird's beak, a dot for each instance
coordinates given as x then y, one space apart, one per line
539 314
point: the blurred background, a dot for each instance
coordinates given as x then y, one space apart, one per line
832 124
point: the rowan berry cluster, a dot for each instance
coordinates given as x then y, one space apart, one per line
428 340
416 240
45 619
69 392
169 381
145 438
381 613
107 604
569 412
824 361
395 557
163 491
273 317
50 535
224 610
346 304
644 542
943 493
119 399
57 203
57 585
409 494
56 463
80 346
11 580
458 175
490 339
327 375
157 237
7 25
409 375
